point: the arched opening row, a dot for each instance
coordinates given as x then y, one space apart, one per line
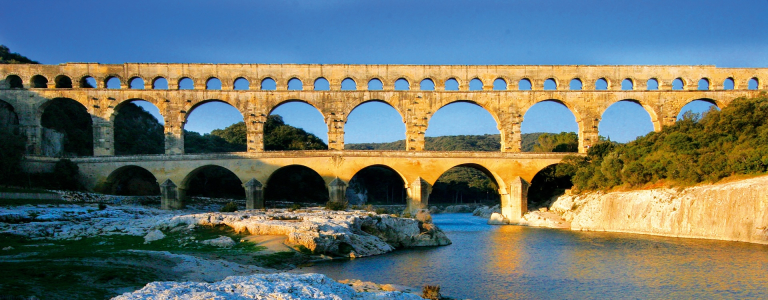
349 84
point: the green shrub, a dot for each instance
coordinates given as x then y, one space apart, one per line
102 206
336 205
66 174
229 207
431 292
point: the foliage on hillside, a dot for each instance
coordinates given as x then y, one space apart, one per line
7 57
696 149
137 132
487 142
281 136
71 118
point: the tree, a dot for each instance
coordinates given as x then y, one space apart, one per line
6 57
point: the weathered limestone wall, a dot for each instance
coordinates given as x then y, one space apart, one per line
735 211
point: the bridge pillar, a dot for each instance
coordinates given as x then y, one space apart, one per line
337 190
254 194
174 136
511 139
414 137
103 137
418 196
255 134
588 132
514 204
170 196
335 133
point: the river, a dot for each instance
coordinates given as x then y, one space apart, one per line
515 262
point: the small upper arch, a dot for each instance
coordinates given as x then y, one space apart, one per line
14 81
499 84
322 84
753 84
136 83
550 84
268 84
678 84
241 84
213 83
525 85
349 84
628 84
703 84
87 82
186 83
39 82
576 84
112 81
159 83
427 85
451 84
602 84
295 84
402 84
375 84
475 84
63 82
729 84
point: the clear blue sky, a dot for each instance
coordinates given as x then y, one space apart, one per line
726 34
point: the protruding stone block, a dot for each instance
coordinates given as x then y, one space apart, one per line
254 194
418 195
170 197
515 203
337 190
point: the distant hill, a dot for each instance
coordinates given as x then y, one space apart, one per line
487 142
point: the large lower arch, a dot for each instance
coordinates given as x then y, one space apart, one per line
9 120
301 118
212 181
698 107
376 184
466 183
203 122
551 118
373 121
625 120
295 183
452 120
67 128
131 180
138 128
546 186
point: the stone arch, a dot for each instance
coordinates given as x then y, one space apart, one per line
213 84
681 82
400 81
576 84
551 80
653 84
233 186
656 122
729 83
152 140
157 83
242 81
270 82
9 119
375 81
272 107
679 108
451 81
39 82
349 84
544 185
348 112
483 105
295 84
476 84
130 180
572 108
753 84
274 190
628 84
321 84
427 84
14 81
525 84
85 82
63 82
600 81
704 84
194 105
112 112
402 181
493 176
110 77
132 80
79 138
500 84
185 79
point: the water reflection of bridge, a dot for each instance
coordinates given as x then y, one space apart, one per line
415 92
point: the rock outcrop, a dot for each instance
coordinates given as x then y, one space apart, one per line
734 211
281 286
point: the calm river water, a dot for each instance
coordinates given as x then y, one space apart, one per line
513 262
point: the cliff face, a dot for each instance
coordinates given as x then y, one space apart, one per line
735 211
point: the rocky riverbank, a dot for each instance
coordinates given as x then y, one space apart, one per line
734 211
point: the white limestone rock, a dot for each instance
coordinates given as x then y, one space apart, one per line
281 286
153 235
486 212
497 219
221 242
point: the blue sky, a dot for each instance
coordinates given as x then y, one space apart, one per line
726 34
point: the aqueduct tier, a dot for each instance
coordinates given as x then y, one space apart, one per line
415 91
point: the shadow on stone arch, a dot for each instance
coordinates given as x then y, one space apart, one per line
296 184
463 184
376 184
131 181
214 182
68 129
546 186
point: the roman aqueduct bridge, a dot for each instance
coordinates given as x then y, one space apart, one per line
415 91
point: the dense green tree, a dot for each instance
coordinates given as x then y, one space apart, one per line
697 148
6 57
73 120
280 136
137 132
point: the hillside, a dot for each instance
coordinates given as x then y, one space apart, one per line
487 142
